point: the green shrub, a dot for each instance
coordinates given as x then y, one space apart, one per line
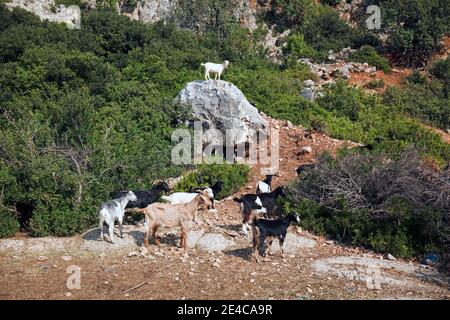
326 31
441 70
375 84
233 177
9 225
422 101
291 13
297 47
414 28
369 54
331 3
416 77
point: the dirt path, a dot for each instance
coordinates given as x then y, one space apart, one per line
220 265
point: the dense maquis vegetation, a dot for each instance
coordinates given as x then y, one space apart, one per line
85 113
401 207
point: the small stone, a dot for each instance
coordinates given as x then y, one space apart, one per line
308 83
42 258
309 290
391 257
68 294
252 280
66 258
306 150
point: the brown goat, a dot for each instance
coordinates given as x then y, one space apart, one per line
174 215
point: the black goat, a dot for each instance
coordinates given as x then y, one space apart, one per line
304 167
144 197
365 147
264 203
370 146
263 228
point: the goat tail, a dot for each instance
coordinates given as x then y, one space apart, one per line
202 64
237 199
139 209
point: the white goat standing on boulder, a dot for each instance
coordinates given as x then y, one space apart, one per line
215 68
114 210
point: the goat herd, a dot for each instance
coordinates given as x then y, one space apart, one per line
181 208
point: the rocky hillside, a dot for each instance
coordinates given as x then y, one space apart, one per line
146 11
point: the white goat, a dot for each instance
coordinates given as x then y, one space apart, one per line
114 210
185 197
215 68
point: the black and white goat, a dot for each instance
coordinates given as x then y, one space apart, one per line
144 197
265 185
215 189
113 210
263 228
263 203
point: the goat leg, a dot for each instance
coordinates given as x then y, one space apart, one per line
281 240
121 228
101 230
184 240
111 232
256 241
269 247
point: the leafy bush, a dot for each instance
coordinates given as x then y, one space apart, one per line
399 206
233 177
326 31
416 77
9 224
331 3
297 47
414 28
375 84
292 12
441 70
423 101
369 54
